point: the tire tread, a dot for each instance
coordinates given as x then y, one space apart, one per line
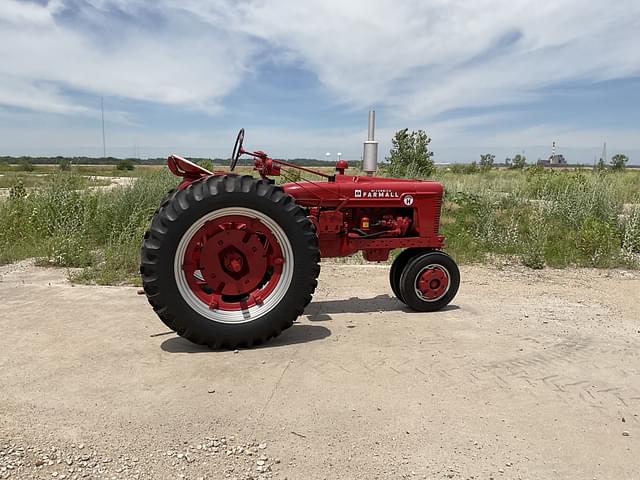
181 201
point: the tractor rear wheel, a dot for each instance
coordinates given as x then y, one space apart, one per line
230 261
398 266
429 281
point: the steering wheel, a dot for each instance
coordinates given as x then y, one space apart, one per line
237 150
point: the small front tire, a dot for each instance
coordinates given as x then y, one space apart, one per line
398 265
429 282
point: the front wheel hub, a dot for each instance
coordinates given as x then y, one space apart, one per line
432 283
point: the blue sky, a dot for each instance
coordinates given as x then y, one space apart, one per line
182 77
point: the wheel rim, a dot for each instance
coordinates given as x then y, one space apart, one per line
234 265
432 283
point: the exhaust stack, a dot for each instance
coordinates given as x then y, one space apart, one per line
370 155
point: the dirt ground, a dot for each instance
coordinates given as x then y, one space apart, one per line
528 374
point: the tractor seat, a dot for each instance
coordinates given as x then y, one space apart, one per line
186 168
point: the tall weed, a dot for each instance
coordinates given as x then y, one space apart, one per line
99 230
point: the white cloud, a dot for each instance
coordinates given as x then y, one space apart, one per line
428 57
416 59
419 57
173 64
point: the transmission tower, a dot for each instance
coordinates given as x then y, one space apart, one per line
104 143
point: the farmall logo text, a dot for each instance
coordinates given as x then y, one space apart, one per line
379 193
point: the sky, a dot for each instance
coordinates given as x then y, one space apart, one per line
182 76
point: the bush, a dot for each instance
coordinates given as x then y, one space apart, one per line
534 241
619 161
125 164
25 165
98 230
208 164
486 161
64 164
631 237
518 162
598 241
17 191
470 168
464 168
292 175
68 250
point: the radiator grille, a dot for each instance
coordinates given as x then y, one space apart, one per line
436 217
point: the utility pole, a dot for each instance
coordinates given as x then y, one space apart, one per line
104 143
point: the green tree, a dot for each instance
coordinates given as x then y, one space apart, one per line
600 166
619 161
410 155
486 161
519 162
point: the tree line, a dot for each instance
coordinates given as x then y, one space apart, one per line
27 163
410 157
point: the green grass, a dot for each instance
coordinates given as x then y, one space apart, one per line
9 179
99 231
544 217
85 170
536 217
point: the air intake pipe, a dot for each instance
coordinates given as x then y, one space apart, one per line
370 155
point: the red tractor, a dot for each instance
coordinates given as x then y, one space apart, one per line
231 260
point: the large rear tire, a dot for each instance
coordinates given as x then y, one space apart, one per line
230 261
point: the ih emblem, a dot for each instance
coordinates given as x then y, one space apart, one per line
408 200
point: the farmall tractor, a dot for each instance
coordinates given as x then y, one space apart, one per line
231 260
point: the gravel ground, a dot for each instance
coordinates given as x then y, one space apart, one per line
528 374
220 455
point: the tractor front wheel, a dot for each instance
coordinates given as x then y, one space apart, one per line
429 281
398 265
230 261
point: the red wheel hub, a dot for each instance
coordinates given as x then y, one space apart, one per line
433 282
233 262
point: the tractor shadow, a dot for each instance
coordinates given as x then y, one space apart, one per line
298 333
321 310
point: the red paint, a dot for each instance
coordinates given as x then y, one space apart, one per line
352 213
341 166
239 260
433 283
